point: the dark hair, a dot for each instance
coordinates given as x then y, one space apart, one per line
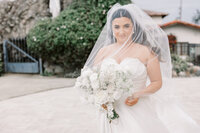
121 13
139 36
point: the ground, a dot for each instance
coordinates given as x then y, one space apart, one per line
43 110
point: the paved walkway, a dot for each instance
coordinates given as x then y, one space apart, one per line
59 110
15 85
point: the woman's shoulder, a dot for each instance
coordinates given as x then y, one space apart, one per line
146 52
107 47
142 47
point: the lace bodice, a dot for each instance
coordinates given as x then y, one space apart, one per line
139 76
137 69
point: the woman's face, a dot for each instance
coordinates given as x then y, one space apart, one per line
122 29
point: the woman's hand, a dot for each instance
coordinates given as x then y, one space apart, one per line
130 101
104 106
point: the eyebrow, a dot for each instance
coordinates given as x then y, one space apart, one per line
118 24
127 24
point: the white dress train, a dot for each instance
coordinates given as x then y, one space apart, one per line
151 114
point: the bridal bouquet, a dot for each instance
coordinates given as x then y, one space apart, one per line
105 85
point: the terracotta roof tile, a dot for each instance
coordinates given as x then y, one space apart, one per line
180 22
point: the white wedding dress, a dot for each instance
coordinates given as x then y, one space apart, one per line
151 114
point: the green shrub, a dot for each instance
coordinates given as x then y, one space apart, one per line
190 59
68 39
179 65
38 39
45 73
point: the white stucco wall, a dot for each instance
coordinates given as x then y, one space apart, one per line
184 33
157 19
54 6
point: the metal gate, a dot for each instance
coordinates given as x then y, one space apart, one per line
18 59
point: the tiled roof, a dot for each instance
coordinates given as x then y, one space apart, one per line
180 22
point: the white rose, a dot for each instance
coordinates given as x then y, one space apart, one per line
86 83
117 94
94 81
86 73
111 87
101 97
77 85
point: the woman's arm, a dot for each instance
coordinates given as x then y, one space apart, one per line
154 73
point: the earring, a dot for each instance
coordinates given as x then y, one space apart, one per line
114 39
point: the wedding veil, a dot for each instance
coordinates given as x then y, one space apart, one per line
145 32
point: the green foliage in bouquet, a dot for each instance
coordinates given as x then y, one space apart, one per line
179 65
115 116
68 39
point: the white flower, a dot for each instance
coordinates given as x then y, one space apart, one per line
104 11
103 5
110 99
94 81
111 87
34 38
57 28
101 97
110 110
104 84
92 23
117 94
86 72
81 37
77 85
63 26
86 82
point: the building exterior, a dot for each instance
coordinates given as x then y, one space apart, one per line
184 37
156 16
187 39
185 32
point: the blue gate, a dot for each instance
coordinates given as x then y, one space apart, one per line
19 60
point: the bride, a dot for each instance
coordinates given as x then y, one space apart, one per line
132 40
